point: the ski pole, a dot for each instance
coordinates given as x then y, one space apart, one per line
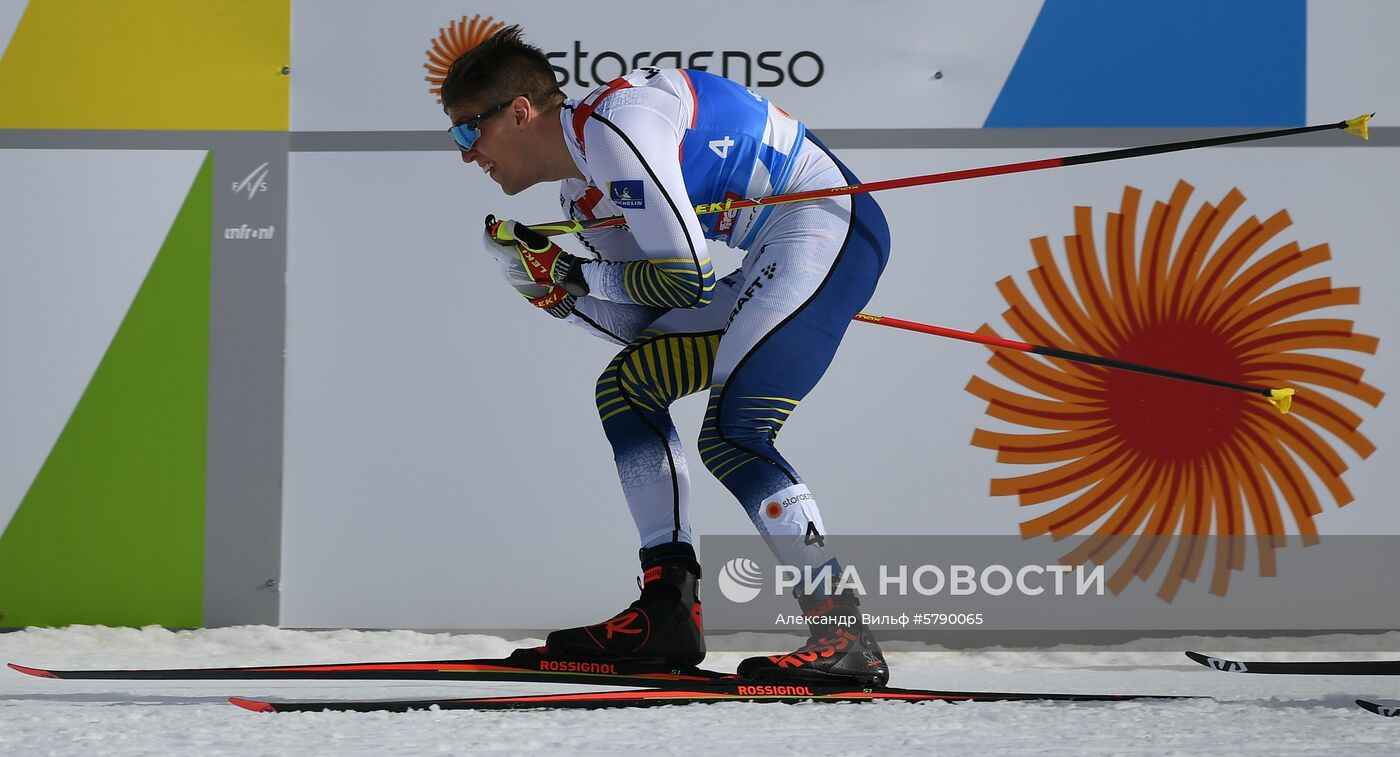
1355 126
1279 398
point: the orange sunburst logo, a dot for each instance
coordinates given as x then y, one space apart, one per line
1123 454
453 40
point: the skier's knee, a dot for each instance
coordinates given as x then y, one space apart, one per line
722 446
608 392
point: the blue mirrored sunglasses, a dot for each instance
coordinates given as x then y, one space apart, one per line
466 133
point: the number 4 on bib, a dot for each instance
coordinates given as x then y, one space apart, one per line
721 147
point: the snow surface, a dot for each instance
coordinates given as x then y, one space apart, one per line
1252 715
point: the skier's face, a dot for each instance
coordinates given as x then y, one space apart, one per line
490 135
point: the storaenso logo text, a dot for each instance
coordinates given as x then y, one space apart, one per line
589 68
770 68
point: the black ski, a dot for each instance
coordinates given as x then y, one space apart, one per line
1299 667
1384 710
728 690
655 687
521 665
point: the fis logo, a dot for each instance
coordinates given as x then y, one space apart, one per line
253 183
627 193
740 580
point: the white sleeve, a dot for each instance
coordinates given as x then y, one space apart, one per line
617 322
633 156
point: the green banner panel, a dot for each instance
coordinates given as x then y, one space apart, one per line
112 529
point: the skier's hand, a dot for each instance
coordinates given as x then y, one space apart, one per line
550 297
544 261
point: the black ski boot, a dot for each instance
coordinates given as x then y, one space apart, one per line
662 627
840 650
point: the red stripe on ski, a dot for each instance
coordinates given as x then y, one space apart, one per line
36 672
388 666
252 704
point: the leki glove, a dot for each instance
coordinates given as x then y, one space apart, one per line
550 297
546 262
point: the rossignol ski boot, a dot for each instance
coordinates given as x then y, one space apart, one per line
662 626
840 649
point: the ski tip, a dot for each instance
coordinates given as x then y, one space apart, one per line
36 672
1198 657
1377 708
252 704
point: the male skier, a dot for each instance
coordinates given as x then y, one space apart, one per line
649 146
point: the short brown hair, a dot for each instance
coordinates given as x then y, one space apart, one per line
500 68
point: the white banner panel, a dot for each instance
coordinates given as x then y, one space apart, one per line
937 64
945 60
424 399
423 396
1350 69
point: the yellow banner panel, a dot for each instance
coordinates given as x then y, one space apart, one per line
148 64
